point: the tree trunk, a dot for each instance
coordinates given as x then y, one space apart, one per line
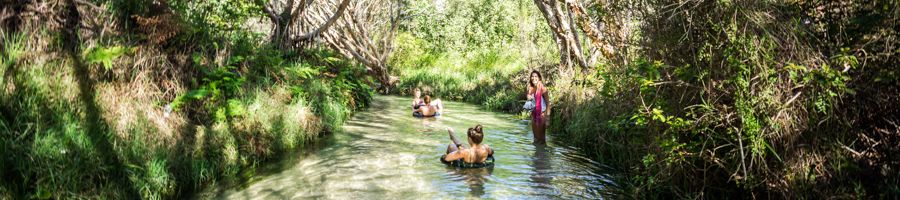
590 30
337 14
280 34
563 25
563 32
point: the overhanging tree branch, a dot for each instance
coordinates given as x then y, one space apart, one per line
362 30
590 30
337 14
566 35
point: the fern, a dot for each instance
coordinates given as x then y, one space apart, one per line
304 71
105 56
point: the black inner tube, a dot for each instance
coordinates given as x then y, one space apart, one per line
489 162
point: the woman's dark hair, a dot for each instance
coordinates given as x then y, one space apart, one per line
540 78
476 134
427 99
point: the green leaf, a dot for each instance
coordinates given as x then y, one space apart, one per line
197 58
220 115
42 194
236 59
304 72
332 60
105 56
235 108
197 94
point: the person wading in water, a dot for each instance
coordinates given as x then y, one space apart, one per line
538 94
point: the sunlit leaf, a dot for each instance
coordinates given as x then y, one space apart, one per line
105 56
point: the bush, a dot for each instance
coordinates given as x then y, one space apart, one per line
489 79
130 118
712 108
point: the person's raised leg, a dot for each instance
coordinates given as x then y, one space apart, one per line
451 148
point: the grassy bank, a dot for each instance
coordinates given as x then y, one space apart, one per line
472 51
156 110
767 105
703 99
712 99
491 79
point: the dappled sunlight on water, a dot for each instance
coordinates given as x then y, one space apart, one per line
384 153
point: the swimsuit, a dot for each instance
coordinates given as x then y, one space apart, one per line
538 107
419 104
416 112
415 108
419 114
489 162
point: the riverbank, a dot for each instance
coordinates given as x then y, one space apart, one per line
384 153
762 110
155 99
156 109
699 107
473 51
491 79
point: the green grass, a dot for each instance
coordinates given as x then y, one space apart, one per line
739 116
48 148
473 51
704 109
487 78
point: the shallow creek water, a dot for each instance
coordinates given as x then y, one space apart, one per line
384 153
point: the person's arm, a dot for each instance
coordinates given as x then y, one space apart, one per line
546 96
529 92
453 138
438 104
456 155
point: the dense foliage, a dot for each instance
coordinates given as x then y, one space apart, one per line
776 99
155 101
702 99
474 51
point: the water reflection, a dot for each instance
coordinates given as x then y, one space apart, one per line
474 178
542 170
430 124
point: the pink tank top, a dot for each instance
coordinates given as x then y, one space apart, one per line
538 99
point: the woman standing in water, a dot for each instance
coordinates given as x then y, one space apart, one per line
538 93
